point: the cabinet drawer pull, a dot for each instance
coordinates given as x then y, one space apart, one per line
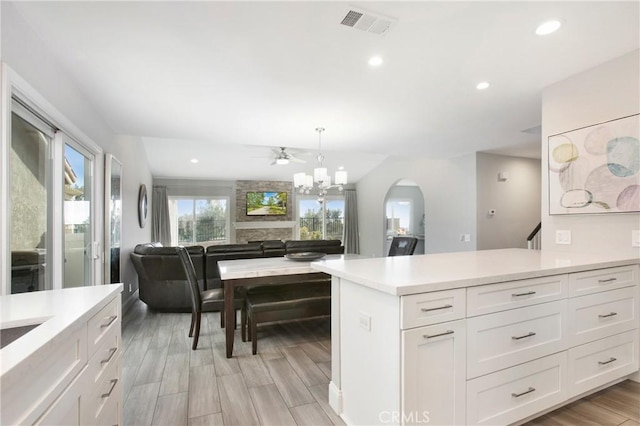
426 336
518 395
611 314
608 280
112 352
113 385
607 362
531 333
110 321
529 293
436 309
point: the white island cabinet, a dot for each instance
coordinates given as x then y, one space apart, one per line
65 370
487 337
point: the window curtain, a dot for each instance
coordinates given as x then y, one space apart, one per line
351 240
161 227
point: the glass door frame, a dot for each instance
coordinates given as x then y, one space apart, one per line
13 86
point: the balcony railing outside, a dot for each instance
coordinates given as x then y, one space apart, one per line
207 230
311 228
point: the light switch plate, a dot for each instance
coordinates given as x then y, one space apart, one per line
635 238
365 321
563 236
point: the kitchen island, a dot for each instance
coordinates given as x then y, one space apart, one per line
64 365
484 337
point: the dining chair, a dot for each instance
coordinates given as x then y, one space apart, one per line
403 246
205 301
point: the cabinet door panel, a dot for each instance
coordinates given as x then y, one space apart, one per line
433 374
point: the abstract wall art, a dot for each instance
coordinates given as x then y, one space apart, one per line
596 169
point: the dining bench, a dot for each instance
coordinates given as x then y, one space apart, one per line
285 303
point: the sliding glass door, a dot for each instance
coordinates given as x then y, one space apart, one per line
30 198
50 205
79 250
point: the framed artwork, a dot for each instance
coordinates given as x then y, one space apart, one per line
596 169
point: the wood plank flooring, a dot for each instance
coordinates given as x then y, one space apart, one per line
166 383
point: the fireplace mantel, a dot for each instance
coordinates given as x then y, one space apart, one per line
264 225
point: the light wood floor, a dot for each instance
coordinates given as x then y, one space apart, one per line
166 383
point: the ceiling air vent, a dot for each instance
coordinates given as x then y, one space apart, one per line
367 21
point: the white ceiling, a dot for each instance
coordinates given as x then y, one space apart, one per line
221 81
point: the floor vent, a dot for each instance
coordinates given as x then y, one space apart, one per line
367 21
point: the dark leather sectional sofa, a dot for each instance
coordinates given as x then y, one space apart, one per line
163 285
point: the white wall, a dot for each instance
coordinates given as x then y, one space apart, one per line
606 92
135 172
515 200
449 201
30 58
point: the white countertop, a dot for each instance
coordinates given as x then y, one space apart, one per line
271 266
402 275
55 309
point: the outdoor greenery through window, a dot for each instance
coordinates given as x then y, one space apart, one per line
199 221
321 221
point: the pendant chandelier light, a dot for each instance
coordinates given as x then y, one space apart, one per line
320 181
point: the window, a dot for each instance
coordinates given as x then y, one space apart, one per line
321 221
399 216
200 221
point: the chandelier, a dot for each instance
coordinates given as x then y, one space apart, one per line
320 181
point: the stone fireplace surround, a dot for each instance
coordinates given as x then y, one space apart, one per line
258 228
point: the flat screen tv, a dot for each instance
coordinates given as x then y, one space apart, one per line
266 203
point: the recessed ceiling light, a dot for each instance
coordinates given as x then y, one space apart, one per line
483 85
548 27
375 61
194 160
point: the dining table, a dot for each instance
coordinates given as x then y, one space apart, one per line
264 272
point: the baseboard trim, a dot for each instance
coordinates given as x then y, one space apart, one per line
131 300
335 398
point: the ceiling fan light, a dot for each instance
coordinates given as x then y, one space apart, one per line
282 161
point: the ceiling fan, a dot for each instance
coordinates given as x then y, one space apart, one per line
283 157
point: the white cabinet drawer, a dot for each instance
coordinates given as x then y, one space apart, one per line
602 314
500 340
589 282
602 361
510 395
101 323
515 294
431 308
105 355
105 397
